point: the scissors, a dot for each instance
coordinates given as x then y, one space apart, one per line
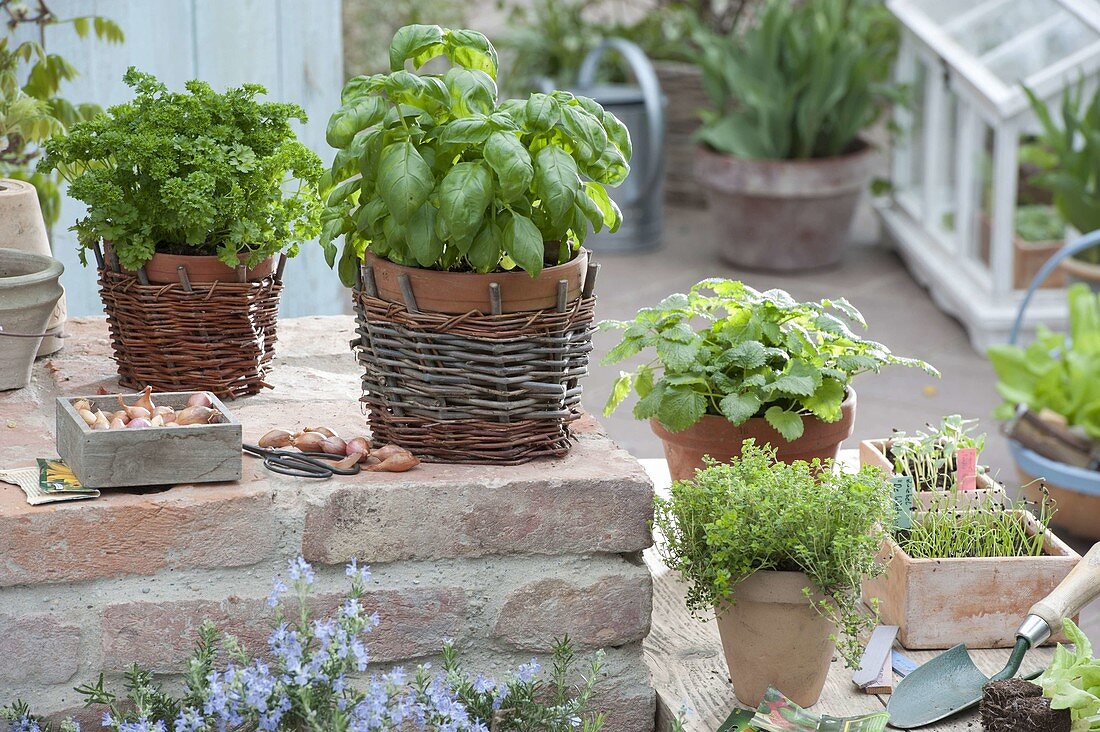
301 464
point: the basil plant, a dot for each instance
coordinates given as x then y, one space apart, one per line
434 171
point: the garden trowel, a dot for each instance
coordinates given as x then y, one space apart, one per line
951 683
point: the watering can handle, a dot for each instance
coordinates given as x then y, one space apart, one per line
1087 241
1081 586
651 94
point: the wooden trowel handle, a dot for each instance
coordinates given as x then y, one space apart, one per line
1081 586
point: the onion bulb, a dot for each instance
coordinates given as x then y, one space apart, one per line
117 423
166 413
309 441
323 430
101 421
139 423
197 414
146 400
334 446
82 404
396 463
347 462
276 438
199 399
358 444
135 411
87 416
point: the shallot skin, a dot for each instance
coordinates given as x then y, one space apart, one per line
200 399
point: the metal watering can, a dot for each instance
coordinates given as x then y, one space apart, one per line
641 109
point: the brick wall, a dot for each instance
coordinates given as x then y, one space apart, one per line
502 560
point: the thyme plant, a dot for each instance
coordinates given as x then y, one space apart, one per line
755 515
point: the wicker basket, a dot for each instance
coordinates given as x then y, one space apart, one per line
473 388
217 337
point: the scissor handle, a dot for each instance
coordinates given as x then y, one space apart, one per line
300 464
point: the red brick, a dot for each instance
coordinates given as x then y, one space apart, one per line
39 648
217 525
595 500
413 622
611 611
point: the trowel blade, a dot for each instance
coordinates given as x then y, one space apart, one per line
947 684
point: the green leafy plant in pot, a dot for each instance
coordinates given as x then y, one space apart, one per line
1068 152
733 363
1057 377
781 155
776 552
451 201
195 178
190 197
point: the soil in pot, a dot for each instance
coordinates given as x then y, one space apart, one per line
783 215
459 293
720 439
772 636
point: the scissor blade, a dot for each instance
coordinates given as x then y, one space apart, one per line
946 685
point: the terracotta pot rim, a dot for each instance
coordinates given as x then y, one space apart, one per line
662 431
863 149
370 257
46 269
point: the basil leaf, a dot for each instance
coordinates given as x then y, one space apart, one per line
557 183
352 118
466 131
511 162
524 244
471 92
472 50
484 253
424 246
412 41
464 194
542 112
404 180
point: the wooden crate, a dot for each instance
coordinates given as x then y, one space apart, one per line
153 456
873 452
939 603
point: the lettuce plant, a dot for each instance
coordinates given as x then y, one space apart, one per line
1072 681
434 171
1059 372
196 172
756 354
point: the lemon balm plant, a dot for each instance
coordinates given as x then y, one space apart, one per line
453 202
434 171
730 362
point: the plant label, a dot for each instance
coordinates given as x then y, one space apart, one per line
903 500
966 469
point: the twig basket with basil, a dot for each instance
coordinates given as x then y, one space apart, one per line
191 198
732 363
463 218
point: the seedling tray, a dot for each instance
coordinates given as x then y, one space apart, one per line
120 458
874 452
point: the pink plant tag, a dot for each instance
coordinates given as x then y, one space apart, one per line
966 468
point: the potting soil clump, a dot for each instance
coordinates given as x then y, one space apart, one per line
1015 705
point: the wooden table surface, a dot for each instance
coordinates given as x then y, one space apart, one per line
684 655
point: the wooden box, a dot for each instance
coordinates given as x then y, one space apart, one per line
874 452
939 603
118 458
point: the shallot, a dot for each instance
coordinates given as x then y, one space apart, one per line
358 444
82 404
146 400
197 414
323 430
309 441
200 399
101 421
139 423
347 462
334 446
87 416
156 421
166 413
395 463
276 438
134 411
116 423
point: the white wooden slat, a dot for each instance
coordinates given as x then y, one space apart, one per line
293 48
1006 143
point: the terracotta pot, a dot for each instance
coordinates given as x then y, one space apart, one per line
29 291
161 269
463 292
23 228
783 215
721 439
772 636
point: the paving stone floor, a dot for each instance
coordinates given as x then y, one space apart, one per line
900 313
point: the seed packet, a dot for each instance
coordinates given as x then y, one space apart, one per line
777 713
54 476
35 482
738 721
